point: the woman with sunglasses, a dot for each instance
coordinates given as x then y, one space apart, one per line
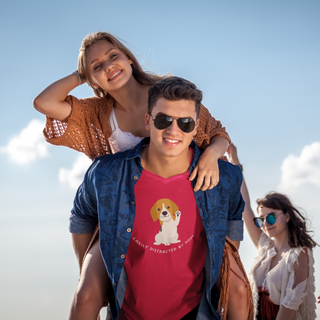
282 275
113 121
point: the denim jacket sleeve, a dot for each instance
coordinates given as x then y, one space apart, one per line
84 214
236 207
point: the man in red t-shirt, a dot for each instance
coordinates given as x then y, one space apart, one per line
164 245
167 251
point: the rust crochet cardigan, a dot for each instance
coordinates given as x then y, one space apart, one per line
87 128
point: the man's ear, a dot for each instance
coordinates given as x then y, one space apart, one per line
196 127
146 120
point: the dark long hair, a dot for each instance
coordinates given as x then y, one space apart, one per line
298 233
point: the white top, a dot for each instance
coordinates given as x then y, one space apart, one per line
280 280
120 140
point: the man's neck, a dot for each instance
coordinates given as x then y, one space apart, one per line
165 167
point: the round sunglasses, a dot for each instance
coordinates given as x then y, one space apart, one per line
162 121
269 218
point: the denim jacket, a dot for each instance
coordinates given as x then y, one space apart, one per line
107 197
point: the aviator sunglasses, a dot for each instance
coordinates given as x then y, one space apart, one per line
269 218
162 121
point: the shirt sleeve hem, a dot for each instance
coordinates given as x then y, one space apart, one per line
235 230
81 226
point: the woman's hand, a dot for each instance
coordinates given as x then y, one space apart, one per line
207 170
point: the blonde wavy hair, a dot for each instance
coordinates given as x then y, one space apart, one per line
143 77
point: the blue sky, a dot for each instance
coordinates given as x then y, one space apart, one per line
257 63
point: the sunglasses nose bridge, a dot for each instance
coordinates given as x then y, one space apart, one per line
173 127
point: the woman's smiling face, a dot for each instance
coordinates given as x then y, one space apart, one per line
280 225
108 67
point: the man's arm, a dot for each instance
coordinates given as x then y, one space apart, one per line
80 245
236 207
248 214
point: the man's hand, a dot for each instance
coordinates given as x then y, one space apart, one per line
207 170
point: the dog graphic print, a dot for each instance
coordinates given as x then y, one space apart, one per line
168 214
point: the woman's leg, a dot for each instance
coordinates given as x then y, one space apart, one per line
235 300
238 304
91 293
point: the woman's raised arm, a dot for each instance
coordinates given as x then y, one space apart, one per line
51 101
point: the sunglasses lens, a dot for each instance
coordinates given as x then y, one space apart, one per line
162 121
186 124
258 222
271 219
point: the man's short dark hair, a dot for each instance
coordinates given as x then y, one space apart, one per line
174 89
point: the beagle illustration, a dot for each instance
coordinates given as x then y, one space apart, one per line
168 214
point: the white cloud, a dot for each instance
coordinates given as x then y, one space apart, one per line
29 145
74 176
301 170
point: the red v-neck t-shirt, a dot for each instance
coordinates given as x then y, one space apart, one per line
167 250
